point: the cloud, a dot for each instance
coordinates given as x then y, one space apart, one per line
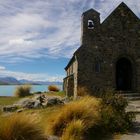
2 68
30 76
19 41
41 29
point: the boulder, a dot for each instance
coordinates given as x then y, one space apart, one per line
51 101
39 101
9 108
28 103
40 97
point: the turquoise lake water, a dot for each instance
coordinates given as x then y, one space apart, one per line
8 90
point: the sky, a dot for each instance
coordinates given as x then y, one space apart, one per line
38 37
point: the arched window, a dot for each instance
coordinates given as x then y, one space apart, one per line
90 24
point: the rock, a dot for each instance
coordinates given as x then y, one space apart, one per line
53 101
28 103
9 108
39 101
37 104
66 100
40 97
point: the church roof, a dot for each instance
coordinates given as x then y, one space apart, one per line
121 7
70 62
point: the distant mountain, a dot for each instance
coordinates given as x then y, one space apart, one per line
9 81
23 81
14 81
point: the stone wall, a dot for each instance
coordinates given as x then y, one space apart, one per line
70 82
69 85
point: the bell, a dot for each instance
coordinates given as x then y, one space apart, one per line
90 25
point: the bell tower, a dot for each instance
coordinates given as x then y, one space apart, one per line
90 25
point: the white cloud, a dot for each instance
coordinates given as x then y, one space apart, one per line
19 41
36 29
30 76
2 68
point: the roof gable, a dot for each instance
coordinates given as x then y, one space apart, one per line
121 11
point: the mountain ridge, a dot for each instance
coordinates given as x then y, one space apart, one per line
14 81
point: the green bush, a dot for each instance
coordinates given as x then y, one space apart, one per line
53 88
113 114
22 91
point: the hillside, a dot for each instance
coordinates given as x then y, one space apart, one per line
14 81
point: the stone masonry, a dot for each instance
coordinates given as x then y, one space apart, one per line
109 55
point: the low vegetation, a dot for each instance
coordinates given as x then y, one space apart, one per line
20 127
113 110
91 118
59 93
53 88
8 100
22 91
85 118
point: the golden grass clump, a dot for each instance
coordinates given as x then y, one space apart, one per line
22 91
53 88
85 110
20 127
74 131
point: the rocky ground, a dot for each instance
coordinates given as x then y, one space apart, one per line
37 101
134 134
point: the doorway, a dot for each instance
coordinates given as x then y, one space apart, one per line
124 74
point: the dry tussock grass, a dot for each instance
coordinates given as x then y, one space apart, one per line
20 127
85 110
22 91
53 88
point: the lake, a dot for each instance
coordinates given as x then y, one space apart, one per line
8 90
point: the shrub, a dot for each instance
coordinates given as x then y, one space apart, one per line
114 116
22 91
20 127
85 109
53 88
117 101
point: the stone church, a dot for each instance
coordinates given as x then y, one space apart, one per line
109 55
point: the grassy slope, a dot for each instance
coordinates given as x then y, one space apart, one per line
8 100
